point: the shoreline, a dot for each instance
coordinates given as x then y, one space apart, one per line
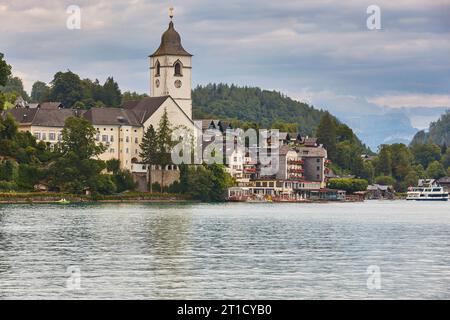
55 198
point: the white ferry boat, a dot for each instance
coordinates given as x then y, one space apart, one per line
427 193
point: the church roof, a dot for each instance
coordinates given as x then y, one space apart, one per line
171 44
144 108
111 116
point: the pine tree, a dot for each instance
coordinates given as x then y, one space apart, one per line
112 96
149 152
165 144
326 134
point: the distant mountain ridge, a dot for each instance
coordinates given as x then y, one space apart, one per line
438 132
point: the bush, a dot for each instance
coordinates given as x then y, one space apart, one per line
348 184
124 181
8 186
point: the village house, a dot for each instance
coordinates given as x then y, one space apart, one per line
301 162
121 129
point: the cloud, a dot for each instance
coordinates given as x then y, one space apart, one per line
413 100
322 45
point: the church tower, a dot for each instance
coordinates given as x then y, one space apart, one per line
171 70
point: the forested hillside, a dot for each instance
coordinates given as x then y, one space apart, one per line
247 104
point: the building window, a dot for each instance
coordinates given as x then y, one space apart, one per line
111 138
59 136
158 69
127 139
111 150
44 136
37 135
318 168
127 150
104 138
178 68
51 136
136 140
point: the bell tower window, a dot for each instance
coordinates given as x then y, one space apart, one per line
158 69
177 67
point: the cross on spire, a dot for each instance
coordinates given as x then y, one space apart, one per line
171 13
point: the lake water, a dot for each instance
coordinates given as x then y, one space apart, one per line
226 251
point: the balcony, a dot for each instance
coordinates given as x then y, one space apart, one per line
296 171
295 162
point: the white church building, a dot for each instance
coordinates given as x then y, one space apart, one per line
122 129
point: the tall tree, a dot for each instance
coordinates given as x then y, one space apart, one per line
15 85
66 88
326 134
76 169
149 150
39 92
112 96
165 144
78 136
384 162
5 70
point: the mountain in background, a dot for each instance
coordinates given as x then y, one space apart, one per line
438 132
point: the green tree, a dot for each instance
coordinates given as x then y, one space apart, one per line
78 136
133 96
149 150
39 92
424 154
76 170
208 183
384 162
348 184
435 170
113 165
15 85
8 170
446 158
326 134
112 96
368 171
124 181
165 145
385 180
5 70
67 88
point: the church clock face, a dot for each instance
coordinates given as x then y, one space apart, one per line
157 83
178 84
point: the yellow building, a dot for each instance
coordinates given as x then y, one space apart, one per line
121 129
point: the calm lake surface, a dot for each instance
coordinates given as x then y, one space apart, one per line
226 251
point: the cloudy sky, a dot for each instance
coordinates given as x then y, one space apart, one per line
319 51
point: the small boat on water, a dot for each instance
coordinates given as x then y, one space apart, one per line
430 192
63 201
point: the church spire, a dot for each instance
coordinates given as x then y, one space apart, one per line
171 41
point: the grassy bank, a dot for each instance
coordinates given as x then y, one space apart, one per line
51 197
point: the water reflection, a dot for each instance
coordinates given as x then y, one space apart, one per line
225 251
